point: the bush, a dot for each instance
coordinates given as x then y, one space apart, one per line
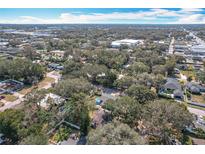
200 133
62 134
186 140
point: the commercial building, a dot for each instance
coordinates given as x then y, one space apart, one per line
128 42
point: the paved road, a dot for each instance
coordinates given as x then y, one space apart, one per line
171 46
196 111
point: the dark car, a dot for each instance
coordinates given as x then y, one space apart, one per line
2 139
2 97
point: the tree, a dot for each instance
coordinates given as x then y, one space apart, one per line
115 133
98 74
124 109
39 139
158 81
180 59
111 59
124 82
68 87
159 69
165 119
11 124
84 120
138 67
170 65
77 111
201 76
140 93
14 42
29 52
21 69
71 67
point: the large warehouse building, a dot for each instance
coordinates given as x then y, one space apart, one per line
128 42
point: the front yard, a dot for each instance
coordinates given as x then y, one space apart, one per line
46 81
198 98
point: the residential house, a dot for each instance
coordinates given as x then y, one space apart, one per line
172 89
51 98
195 88
55 66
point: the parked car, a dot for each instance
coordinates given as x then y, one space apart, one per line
2 97
2 139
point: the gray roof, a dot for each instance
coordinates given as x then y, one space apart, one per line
178 93
194 87
172 84
69 142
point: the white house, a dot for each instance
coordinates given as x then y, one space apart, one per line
55 99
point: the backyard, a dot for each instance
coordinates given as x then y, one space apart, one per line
9 97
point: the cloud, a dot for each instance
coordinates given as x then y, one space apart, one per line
191 19
178 16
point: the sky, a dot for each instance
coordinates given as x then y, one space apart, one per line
102 16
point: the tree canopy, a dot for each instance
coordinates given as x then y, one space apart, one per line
21 69
114 133
141 94
165 118
68 87
124 109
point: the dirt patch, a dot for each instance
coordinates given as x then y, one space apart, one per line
45 82
1 104
198 141
26 90
198 98
10 98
